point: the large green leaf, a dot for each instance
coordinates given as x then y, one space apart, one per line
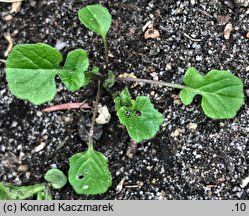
56 178
11 192
88 173
97 18
31 71
140 117
221 91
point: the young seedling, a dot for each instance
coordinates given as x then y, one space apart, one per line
55 177
98 19
31 71
11 192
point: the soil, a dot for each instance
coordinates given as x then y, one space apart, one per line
191 157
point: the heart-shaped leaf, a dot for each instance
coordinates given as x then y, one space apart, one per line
31 71
221 91
56 178
97 18
140 117
88 173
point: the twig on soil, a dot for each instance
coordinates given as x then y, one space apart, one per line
205 13
159 83
16 7
9 39
131 186
3 61
66 106
91 131
190 38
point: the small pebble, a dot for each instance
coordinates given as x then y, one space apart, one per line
192 126
247 35
151 34
8 18
39 113
22 168
168 67
60 45
227 31
39 147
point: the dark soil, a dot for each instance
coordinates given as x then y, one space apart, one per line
183 161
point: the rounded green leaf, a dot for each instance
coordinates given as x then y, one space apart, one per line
30 72
89 173
221 91
56 178
97 18
140 117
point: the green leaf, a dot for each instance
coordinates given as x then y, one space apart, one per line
31 71
221 91
73 74
97 18
88 172
109 82
11 192
4 193
123 100
140 117
56 178
90 74
44 195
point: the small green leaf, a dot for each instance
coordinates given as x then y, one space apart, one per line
109 82
11 192
30 72
88 173
56 178
97 18
73 74
140 117
90 74
123 100
221 91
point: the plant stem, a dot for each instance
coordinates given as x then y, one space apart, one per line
171 85
106 50
91 131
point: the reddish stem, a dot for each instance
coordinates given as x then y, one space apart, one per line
65 106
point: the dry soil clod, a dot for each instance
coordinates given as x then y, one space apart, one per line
222 20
